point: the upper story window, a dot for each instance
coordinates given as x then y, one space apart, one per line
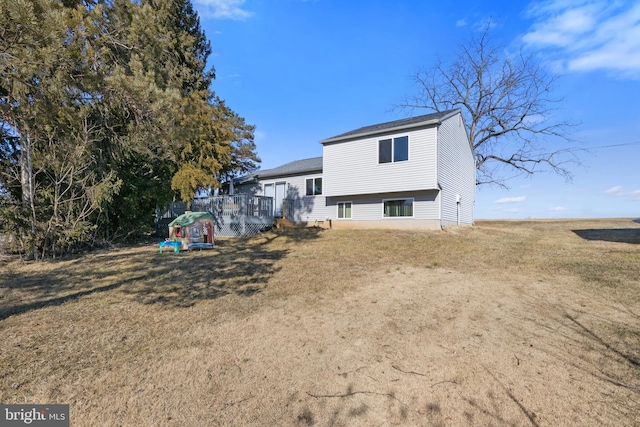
314 186
393 150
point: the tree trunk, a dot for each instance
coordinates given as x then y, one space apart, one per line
28 193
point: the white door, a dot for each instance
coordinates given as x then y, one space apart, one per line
269 191
281 188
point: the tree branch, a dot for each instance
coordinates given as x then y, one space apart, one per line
507 106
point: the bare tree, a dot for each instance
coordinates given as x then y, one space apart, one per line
508 104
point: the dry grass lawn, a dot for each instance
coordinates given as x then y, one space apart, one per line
502 324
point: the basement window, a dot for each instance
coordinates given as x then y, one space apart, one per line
344 210
398 208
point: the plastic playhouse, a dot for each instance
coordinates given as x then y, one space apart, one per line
189 231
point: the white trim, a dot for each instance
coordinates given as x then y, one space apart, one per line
437 166
393 149
278 202
313 184
413 210
395 129
338 210
408 148
270 185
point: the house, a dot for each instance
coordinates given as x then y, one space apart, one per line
411 173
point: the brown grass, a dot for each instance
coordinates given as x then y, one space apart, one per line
505 323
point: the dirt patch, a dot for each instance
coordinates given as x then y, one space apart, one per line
495 325
436 347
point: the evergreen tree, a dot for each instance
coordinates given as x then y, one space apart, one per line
105 111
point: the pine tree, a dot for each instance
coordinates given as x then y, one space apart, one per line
106 110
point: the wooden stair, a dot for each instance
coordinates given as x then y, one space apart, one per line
281 223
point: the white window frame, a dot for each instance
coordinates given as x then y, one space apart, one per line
393 149
270 185
413 208
338 210
313 185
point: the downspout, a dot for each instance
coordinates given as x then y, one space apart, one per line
437 154
440 206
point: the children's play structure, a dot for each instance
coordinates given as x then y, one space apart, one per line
189 231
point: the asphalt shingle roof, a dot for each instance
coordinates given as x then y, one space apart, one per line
402 123
315 163
296 167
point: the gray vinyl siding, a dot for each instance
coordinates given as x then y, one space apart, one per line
440 166
351 167
370 207
307 208
456 171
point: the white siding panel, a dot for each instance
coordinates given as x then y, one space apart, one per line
352 168
456 171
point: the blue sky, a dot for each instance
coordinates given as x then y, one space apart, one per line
303 71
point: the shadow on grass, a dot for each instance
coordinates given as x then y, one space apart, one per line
600 340
531 416
348 406
585 344
603 346
619 235
22 308
235 266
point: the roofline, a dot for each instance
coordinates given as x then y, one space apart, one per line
392 129
275 175
274 172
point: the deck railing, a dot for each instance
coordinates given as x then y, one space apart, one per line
239 215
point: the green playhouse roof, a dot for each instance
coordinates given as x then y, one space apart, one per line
189 218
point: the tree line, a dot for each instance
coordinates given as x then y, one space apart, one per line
106 110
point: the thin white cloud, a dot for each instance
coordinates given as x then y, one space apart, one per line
558 209
222 9
484 24
461 23
619 191
587 35
511 200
